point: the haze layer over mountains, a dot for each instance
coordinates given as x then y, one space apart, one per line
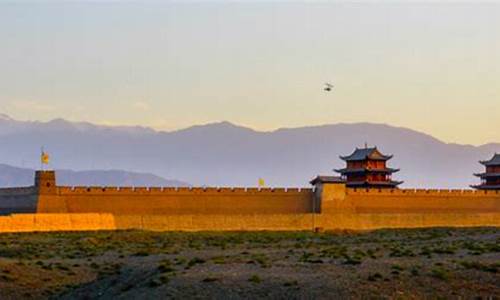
22 177
224 154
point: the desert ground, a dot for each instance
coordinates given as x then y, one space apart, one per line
437 263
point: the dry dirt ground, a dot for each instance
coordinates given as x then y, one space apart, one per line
438 263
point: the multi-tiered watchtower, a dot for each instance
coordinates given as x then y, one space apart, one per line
490 180
367 168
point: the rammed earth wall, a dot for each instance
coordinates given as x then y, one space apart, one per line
196 209
171 201
286 222
18 200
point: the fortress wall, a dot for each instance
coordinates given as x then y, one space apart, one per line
235 209
422 201
373 221
231 201
420 192
18 200
244 222
142 201
56 222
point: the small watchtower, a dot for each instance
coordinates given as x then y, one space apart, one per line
490 180
367 168
45 182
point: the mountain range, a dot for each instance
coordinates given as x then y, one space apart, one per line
225 154
15 177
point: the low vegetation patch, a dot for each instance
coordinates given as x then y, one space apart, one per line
393 264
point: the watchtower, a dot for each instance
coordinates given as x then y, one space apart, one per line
490 180
45 182
366 168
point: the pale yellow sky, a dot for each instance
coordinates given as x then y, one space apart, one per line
430 67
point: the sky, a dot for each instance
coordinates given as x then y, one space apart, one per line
432 67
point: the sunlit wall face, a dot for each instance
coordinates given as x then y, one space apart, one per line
430 67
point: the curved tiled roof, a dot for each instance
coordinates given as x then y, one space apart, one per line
363 170
495 161
366 153
486 187
327 179
484 175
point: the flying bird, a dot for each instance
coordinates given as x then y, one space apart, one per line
328 87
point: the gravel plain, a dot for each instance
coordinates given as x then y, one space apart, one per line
435 263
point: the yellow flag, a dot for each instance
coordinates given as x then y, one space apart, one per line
262 183
44 158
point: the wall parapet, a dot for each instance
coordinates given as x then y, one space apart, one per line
423 192
82 190
17 191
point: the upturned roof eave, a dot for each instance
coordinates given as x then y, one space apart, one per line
366 170
485 187
484 175
383 158
326 179
489 163
494 161
384 183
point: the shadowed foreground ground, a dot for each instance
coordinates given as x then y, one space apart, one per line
427 263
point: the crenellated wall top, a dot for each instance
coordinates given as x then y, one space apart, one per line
180 190
422 192
15 191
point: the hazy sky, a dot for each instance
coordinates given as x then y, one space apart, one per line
430 67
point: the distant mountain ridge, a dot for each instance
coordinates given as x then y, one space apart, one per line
224 154
18 177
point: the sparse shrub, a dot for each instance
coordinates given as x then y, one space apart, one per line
164 279
127 287
94 265
6 278
255 279
195 261
491 268
444 250
180 261
440 273
166 266
141 253
261 259
375 277
291 283
401 252
308 257
219 260
397 267
155 283
371 253
359 253
426 252
62 267
352 261
335 252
